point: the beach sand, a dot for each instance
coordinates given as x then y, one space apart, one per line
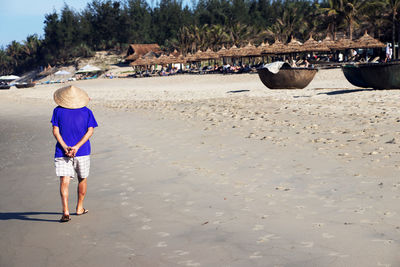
208 170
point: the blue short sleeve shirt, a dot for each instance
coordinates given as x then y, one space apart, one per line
73 125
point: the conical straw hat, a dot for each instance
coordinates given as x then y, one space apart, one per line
71 97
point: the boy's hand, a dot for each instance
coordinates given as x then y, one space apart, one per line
72 151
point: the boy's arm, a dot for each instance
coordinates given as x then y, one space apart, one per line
57 135
84 139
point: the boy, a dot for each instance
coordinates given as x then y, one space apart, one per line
73 125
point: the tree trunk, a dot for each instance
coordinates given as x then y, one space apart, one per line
394 34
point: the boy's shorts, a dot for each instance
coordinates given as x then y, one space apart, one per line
66 166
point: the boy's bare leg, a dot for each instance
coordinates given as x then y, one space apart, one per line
64 184
82 187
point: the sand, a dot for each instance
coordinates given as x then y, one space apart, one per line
208 170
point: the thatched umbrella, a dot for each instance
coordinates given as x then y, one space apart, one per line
210 54
329 42
250 50
190 57
175 53
367 41
234 51
312 45
294 46
223 52
264 48
139 62
344 44
278 47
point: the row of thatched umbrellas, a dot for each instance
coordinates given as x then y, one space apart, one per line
277 48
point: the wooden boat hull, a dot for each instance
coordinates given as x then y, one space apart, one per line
27 85
353 75
375 75
287 78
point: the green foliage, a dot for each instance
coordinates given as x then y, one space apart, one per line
113 24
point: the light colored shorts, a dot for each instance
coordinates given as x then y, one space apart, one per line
66 166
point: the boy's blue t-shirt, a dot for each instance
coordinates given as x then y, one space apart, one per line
73 125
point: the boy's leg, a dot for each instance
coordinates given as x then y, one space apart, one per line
82 187
64 184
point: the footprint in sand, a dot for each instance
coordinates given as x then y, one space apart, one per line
163 234
327 235
189 263
162 244
256 255
307 244
258 227
181 252
267 238
146 227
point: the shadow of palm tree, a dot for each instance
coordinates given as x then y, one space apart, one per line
27 216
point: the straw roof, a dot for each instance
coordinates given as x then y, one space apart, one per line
179 58
140 62
294 46
210 54
137 50
175 53
264 48
223 52
190 58
343 44
328 42
367 41
312 45
277 48
250 50
206 55
234 51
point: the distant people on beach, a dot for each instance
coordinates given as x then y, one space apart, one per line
389 52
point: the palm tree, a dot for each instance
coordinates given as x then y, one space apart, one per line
351 9
333 16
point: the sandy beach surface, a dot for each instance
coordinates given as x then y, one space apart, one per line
208 170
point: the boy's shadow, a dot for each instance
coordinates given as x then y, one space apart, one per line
27 216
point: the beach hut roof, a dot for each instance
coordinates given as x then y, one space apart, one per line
222 52
190 58
343 44
208 54
137 50
367 41
142 61
250 50
328 42
312 45
278 47
234 51
264 48
294 46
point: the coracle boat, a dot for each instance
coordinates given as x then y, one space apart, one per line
385 75
24 85
286 77
353 75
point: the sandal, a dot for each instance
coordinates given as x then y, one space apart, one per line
65 218
84 212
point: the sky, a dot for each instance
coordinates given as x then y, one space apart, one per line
20 18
